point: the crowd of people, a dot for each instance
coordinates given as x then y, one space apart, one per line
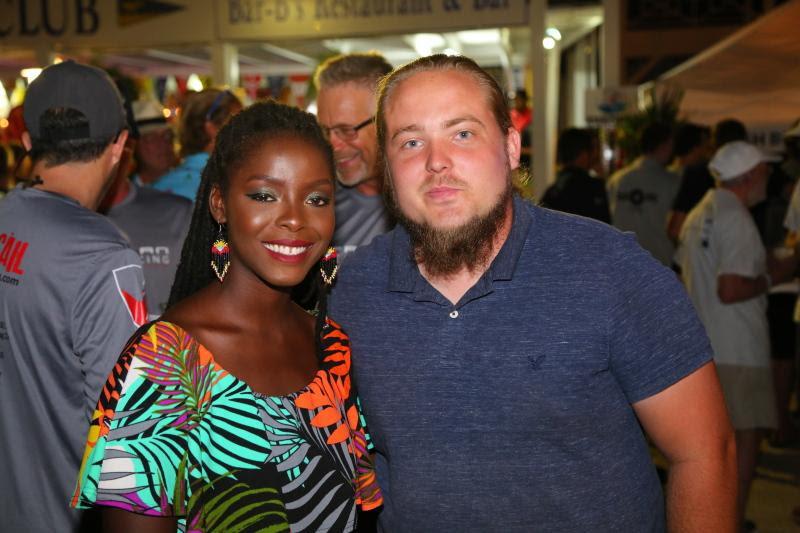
352 321
724 215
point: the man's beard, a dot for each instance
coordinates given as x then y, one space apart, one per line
445 252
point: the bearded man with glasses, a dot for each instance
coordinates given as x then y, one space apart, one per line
346 110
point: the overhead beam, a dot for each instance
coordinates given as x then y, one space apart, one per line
289 54
177 58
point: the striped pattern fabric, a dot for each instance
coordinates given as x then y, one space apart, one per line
174 434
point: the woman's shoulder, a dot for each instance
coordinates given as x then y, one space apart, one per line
162 344
160 332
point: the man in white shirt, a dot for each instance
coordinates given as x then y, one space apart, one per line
725 269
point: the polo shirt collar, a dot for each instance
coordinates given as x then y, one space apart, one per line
25 190
404 275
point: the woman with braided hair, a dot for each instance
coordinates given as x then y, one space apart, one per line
235 410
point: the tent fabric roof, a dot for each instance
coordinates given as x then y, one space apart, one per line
753 75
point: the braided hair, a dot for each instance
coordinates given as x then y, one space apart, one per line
238 138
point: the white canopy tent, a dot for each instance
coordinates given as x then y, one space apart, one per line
753 75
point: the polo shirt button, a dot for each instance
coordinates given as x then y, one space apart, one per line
453 314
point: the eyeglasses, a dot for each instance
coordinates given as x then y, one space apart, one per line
345 132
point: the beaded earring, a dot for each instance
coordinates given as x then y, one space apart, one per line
328 267
220 255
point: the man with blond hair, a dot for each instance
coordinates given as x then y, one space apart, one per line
506 354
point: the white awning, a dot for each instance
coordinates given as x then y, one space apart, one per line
753 75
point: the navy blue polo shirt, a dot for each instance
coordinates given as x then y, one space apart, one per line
511 410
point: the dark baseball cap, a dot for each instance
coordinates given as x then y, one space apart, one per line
80 87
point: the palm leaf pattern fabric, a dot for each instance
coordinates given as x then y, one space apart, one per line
174 434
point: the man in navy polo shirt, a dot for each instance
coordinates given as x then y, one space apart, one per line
506 354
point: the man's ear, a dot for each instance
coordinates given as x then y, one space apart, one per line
513 147
216 205
118 146
26 141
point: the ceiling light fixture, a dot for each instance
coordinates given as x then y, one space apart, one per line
479 36
194 83
30 74
425 43
554 33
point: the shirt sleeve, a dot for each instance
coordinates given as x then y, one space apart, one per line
108 308
136 454
655 336
368 493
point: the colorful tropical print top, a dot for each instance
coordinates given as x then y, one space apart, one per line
174 434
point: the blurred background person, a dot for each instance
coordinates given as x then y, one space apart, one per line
691 147
70 297
7 168
787 369
697 180
692 152
201 118
727 274
154 150
154 222
774 222
575 189
14 165
346 99
640 195
791 151
521 117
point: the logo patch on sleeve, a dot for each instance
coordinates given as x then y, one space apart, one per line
130 283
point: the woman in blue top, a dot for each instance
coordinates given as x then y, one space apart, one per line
201 118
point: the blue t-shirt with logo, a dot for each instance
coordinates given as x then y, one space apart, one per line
511 410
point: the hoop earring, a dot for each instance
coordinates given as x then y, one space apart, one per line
220 255
328 267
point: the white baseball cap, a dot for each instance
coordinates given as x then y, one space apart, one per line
736 158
